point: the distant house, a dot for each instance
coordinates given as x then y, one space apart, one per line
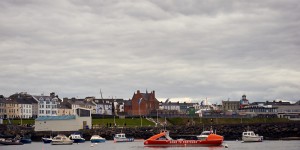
47 105
81 120
258 109
2 106
230 105
64 108
19 105
144 103
128 107
286 109
170 106
119 106
87 103
103 106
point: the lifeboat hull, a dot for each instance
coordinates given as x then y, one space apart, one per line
184 143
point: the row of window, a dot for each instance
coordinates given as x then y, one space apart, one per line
15 105
19 116
48 106
47 112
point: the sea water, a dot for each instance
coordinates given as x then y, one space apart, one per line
139 145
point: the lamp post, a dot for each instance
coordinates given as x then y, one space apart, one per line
21 113
139 102
140 115
156 115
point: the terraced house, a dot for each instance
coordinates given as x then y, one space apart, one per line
86 103
47 105
19 105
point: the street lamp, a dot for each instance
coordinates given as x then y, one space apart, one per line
21 113
139 102
156 115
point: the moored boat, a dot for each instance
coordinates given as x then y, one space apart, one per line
10 141
250 136
97 139
77 138
25 140
163 139
47 140
122 138
61 140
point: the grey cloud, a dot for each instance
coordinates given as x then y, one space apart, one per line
196 49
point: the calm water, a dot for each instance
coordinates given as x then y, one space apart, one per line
138 145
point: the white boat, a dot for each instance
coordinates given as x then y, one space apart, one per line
61 140
204 135
122 138
97 139
250 136
77 138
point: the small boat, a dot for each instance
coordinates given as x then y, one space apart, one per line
97 139
77 138
163 139
25 140
122 138
61 140
250 136
10 141
47 140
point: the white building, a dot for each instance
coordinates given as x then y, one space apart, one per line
81 120
47 105
25 110
103 107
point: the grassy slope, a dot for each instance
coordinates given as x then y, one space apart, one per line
184 121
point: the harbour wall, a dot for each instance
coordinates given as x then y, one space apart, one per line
270 131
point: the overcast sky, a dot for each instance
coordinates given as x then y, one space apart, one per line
183 49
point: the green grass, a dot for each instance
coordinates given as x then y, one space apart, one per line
135 122
197 121
18 121
130 122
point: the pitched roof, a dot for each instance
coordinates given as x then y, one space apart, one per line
63 105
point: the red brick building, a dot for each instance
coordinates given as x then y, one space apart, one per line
143 103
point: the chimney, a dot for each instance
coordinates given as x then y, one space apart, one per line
138 92
153 93
52 94
65 99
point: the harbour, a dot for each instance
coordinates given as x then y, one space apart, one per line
138 145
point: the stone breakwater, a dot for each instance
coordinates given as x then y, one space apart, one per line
270 131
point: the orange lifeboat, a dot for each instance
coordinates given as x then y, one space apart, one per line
163 139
